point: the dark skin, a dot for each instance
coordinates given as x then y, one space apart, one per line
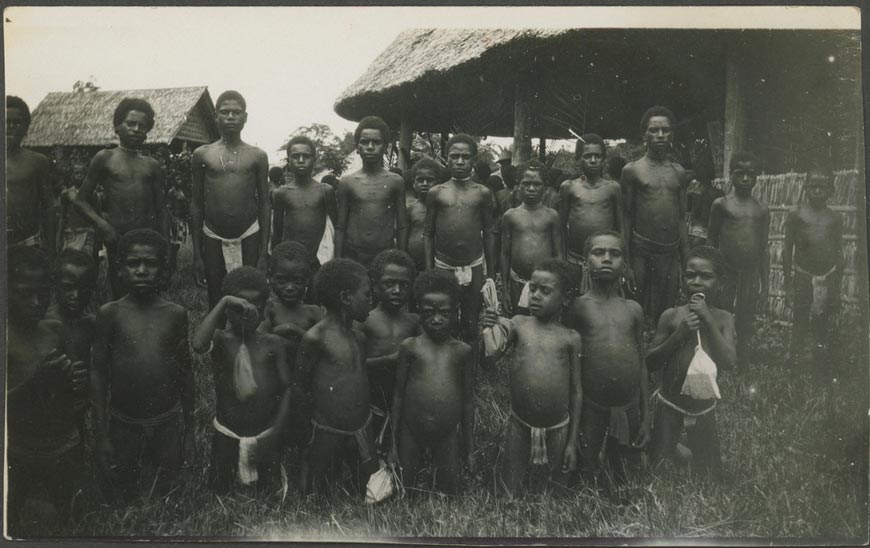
230 188
434 395
371 204
141 354
301 208
286 314
29 187
424 180
545 382
530 234
590 203
73 291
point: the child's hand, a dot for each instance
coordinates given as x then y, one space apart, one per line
689 324
642 435
199 272
698 307
53 363
243 307
569 458
78 374
488 318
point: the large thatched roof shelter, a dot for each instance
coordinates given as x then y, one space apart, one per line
182 115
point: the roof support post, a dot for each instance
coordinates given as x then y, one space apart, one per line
522 146
542 149
405 143
735 102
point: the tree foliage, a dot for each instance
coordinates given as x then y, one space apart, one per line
333 153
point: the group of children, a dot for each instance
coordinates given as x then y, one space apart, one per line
368 351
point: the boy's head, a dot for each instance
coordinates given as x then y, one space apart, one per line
301 155
614 167
550 288
276 175
705 269
29 285
533 176
371 137
75 279
248 283
819 184
743 170
592 153
657 127
436 293
133 119
461 154
142 256
605 255
330 180
231 111
17 120
425 174
289 272
343 285
392 272
482 170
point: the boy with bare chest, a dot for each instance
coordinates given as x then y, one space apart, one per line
331 365
425 174
433 401
251 382
75 281
230 208
738 226
812 263
458 233
654 211
615 398
591 203
371 202
142 374
286 313
530 234
132 183
302 207
545 381
30 208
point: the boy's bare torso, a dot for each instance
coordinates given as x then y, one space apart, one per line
741 231
656 196
531 237
371 208
26 172
459 213
817 235
129 181
305 210
230 186
590 209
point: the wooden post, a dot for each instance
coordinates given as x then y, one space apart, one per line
404 143
735 103
542 149
522 146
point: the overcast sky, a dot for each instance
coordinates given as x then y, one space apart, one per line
290 63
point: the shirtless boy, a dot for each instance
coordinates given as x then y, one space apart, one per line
142 375
286 313
458 233
615 393
433 400
30 205
654 218
672 350
530 234
75 280
812 263
45 393
700 196
590 203
739 225
371 201
74 229
132 184
331 365
425 174
545 381
251 383
301 207
230 208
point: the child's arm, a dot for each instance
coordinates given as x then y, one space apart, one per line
277 220
489 318
283 414
99 384
204 335
505 262
186 385
49 210
159 200
556 234
791 220
626 184
401 216
668 338
83 198
487 225
306 358
343 209
197 204
331 206
429 229
619 220
468 407
398 397
643 432
569 457
564 206
714 226
264 201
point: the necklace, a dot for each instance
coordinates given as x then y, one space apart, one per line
125 149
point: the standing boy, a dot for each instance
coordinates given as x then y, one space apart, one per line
230 203
433 400
425 174
812 265
458 234
738 227
654 216
76 231
132 182
530 234
142 374
30 204
251 383
75 278
371 201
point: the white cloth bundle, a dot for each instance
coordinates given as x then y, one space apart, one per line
700 380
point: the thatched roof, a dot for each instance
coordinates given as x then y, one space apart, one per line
85 118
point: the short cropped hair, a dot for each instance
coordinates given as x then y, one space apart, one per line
142 236
24 259
289 251
330 180
276 171
482 169
436 281
592 139
75 257
372 122
336 276
743 156
709 253
391 256
242 278
461 138
18 103
564 272
614 167
533 165
656 111
427 163
587 245
231 95
302 140
133 103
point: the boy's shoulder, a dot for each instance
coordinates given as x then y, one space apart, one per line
35 157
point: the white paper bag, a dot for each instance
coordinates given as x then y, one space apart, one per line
700 380
380 485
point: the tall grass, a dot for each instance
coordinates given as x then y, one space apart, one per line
795 458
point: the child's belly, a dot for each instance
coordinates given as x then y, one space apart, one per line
540 396
613 380
431 413
740 247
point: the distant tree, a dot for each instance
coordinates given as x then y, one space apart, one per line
332 152
82 86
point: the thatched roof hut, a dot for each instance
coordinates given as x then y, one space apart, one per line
84 119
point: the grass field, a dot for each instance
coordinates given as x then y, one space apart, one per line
794 455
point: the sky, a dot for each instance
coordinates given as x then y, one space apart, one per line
291 63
